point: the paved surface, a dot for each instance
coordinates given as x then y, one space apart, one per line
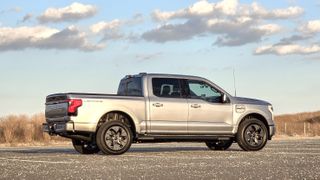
291 159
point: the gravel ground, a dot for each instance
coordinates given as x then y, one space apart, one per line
280 159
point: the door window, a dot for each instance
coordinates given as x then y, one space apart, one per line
166 87
202 90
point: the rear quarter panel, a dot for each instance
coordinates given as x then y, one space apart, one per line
93 109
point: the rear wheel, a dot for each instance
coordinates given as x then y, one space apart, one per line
219 145
114 137
83 147
252 135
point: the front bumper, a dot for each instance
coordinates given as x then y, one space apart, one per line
272 131
57 127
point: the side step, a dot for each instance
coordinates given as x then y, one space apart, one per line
186 138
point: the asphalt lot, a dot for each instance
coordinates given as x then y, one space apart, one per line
280 159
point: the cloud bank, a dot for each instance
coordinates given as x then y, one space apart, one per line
42 37
232 23
226 22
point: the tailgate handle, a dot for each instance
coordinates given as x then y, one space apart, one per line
157 104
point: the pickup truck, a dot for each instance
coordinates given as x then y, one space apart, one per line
159 108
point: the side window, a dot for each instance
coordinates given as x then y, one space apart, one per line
202 90
130 87
166 87
134 87
122 88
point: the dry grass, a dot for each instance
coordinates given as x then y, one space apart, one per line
22 129
300 124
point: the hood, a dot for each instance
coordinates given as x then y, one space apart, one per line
243 100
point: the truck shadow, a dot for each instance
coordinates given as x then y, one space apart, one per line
142 150
172 149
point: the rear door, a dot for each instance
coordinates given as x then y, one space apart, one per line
168 109
207 113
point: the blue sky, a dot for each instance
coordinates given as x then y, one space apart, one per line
88 46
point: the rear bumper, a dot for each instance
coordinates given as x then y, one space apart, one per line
272 131
58 127
70 126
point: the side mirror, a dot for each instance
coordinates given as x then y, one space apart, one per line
224 98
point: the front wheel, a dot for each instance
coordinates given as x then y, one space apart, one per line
252 135
219 145
83 147
114 137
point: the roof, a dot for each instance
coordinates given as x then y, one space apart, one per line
164 74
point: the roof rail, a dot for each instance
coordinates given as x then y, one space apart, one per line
143 73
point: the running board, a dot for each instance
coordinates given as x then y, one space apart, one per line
191 138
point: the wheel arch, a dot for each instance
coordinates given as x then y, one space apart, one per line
258 116
129 117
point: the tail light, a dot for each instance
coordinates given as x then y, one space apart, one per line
74 104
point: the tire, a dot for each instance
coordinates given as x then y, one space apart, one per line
83 147
219 145
114 137
252 135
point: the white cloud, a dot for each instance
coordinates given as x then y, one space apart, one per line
256 10
109 30
103 26
227 8
112 29
311 27
42 37
73 12
233 23
269 28
200 8
287 49
289 12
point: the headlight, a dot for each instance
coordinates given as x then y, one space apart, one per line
270 108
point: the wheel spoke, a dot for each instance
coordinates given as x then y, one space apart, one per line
258 129
254 134
116 138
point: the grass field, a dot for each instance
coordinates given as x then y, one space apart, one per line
23 129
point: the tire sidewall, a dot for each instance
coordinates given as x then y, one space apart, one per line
78 145
241 135
101 137
212 146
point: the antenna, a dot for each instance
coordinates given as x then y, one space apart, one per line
234 83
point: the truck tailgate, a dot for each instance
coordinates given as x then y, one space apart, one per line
56 108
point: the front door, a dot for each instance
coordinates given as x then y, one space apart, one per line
207 113
168 110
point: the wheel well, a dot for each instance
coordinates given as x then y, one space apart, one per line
257 116
117 115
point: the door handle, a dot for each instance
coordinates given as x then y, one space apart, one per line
195 105
157 104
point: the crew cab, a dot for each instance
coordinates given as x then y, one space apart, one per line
159 108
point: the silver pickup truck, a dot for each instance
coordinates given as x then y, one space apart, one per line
159 108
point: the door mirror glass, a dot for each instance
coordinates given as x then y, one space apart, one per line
224 98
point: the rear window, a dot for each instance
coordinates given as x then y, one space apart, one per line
130 87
